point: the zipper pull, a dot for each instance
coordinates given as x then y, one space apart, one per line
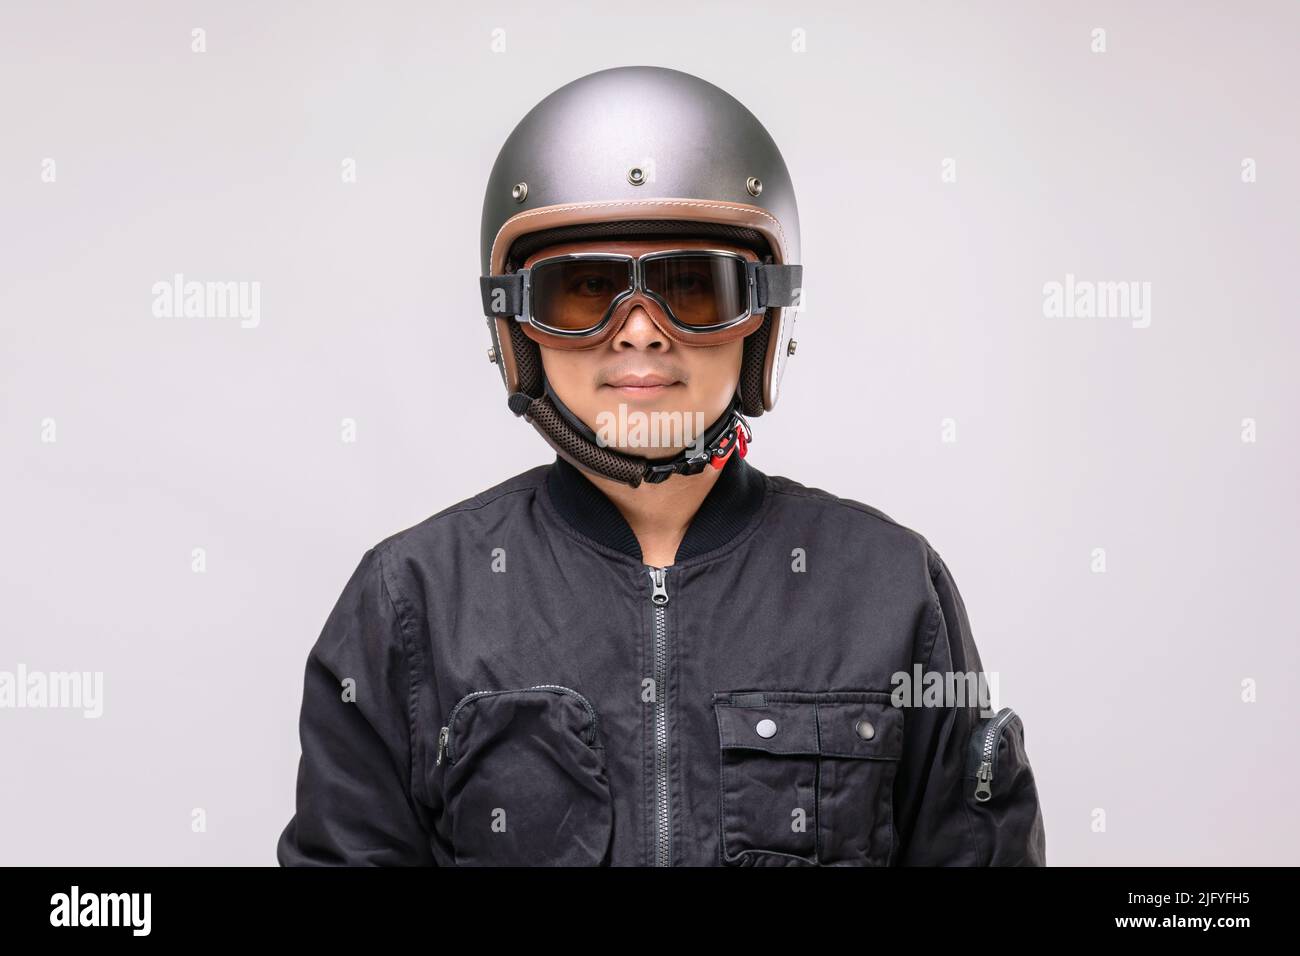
660 593
442 745
983 789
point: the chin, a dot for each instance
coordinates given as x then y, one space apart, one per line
630 426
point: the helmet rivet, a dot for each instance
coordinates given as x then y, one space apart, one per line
789 349
636 175
492 354
754 185
520 192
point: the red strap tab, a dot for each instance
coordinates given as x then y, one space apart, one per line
738 442
720 460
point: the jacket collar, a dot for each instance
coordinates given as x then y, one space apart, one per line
726 510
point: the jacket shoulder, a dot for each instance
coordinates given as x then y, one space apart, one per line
484 507
850 515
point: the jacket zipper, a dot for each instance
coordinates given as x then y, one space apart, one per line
992 736
659 598
444 734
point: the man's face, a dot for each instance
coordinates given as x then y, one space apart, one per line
640 374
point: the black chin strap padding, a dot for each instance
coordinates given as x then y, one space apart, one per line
544 416
519 402
574 422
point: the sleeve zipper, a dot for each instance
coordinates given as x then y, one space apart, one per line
989 753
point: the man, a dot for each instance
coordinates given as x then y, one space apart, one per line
649 652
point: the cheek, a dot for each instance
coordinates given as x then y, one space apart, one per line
715 373
572 374
566 370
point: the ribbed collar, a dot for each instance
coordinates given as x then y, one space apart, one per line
726 510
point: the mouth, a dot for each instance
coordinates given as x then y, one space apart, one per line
641 385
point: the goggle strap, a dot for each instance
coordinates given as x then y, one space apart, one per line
503 295
778 285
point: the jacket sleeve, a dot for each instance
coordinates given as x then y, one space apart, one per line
354 802
939 820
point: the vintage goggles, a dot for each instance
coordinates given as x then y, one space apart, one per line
578 300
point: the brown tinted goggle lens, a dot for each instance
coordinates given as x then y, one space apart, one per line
700 290
573 295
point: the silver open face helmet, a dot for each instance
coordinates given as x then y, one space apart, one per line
639 152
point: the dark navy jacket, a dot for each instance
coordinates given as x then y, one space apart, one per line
508 683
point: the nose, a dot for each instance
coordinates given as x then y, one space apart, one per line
640 331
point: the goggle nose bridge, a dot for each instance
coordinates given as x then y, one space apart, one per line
610 328
638 286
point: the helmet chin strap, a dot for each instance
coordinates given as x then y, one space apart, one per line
727 433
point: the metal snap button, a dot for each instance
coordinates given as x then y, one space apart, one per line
864 729
765 728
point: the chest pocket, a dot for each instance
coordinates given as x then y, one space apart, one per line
524 779
807 778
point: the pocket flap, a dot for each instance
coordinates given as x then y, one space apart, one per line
775 726
862 724
532 713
